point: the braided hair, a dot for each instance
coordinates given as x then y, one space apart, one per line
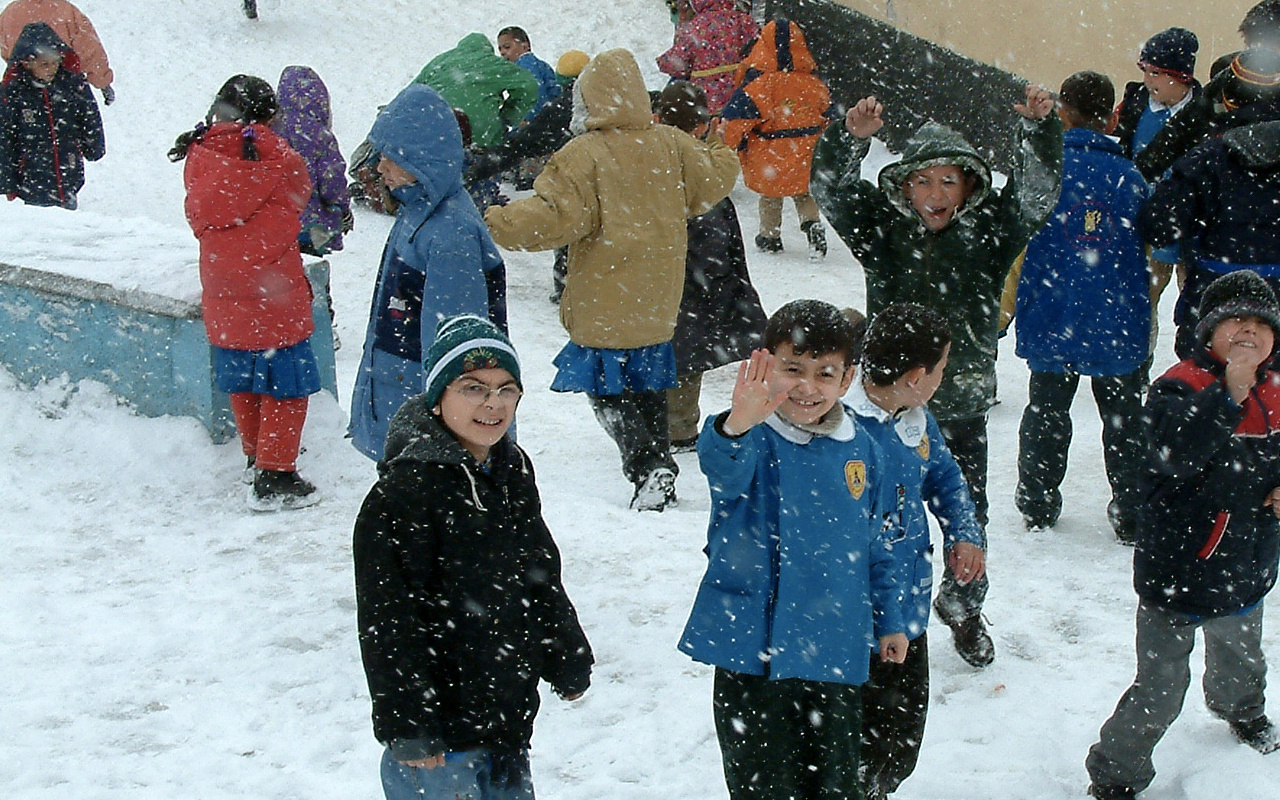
244 99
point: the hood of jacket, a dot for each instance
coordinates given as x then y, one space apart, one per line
37 37
935 145
234 189
703 6
418 131
303 99
780 48
417 435
613 91
1257 146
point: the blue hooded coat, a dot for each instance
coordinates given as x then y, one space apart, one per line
439 261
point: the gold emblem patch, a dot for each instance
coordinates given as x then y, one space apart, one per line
923 447
855 475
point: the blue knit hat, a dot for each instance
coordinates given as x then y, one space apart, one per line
1172 51
465 343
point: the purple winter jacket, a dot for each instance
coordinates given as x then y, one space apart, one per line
306 121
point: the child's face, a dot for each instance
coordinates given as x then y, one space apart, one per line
936 193
43 66
1165 89
479 407
394 175
812 384
1244 338
510 49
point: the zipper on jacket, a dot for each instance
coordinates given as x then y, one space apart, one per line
1215 536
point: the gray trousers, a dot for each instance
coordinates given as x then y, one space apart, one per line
1235 679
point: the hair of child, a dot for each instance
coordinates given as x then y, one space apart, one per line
900 338
683 105
812 327
515 32
1090 96
1261 24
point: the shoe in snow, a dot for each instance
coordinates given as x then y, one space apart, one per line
250 471
817 236
968 634
251 9
278 491
1111 792
689 445
1260 734
769 244
656 492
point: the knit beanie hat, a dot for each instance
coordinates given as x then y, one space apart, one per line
682 105
572 63
1172 51
1255 73
1242 293
465 343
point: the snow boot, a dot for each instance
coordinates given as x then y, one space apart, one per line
251 9
1111 792
968 634
689 445
817 236
656 492
279 491
1260 734
250 471
768 244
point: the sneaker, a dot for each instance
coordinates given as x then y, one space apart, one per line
250 472
656 492
1111 792
817 236
969 635
689 445
1260 734
278 491
769 244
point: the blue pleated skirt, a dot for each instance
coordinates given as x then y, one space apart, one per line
285 373
603 372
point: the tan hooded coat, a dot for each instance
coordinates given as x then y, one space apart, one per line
618 195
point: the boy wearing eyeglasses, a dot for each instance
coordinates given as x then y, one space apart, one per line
460 605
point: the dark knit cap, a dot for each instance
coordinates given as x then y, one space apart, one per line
1091 94
1237 294
682 105
246 99
1255 73
1172 51
463 344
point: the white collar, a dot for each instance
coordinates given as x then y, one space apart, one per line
1173 109
797 435
910 424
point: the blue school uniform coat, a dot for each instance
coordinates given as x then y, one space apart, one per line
439 261
798 576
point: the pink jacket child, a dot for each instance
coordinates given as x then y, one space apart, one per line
708 48
72 26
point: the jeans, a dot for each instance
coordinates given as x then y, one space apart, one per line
464 776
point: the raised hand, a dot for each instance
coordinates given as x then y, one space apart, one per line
863 119
753 400
1039 103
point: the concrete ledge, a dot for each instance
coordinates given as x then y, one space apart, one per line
149 349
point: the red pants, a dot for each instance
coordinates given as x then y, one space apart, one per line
270 429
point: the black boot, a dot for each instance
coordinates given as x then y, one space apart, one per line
251 9
276 491
769 244
969 634
817 237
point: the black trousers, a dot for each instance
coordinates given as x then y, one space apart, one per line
1044 438
967 441
895 702
637 423
788 739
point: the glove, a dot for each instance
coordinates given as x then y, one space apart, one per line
12 196
108 95
348 221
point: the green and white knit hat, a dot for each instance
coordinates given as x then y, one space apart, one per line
465 343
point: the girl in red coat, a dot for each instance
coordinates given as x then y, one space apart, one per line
245 190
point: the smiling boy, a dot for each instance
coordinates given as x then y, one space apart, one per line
799 582
935 232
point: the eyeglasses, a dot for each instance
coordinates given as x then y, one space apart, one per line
476 392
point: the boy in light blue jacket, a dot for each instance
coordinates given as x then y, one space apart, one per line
800 583
902 363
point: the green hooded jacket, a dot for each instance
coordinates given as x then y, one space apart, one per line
495 93
959 271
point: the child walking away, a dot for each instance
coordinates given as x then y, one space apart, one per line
49 122
306 123
245 191
438 261
1084 308
708 48
935 232
903 361
619 195
721 320
1208 537
459 600
799 582
774 121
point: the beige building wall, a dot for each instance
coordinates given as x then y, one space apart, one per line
1045 41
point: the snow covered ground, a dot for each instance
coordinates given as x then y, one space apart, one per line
159 641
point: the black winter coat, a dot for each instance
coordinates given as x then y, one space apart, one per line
1207 545
721 320
1137 97
47 132
458 593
